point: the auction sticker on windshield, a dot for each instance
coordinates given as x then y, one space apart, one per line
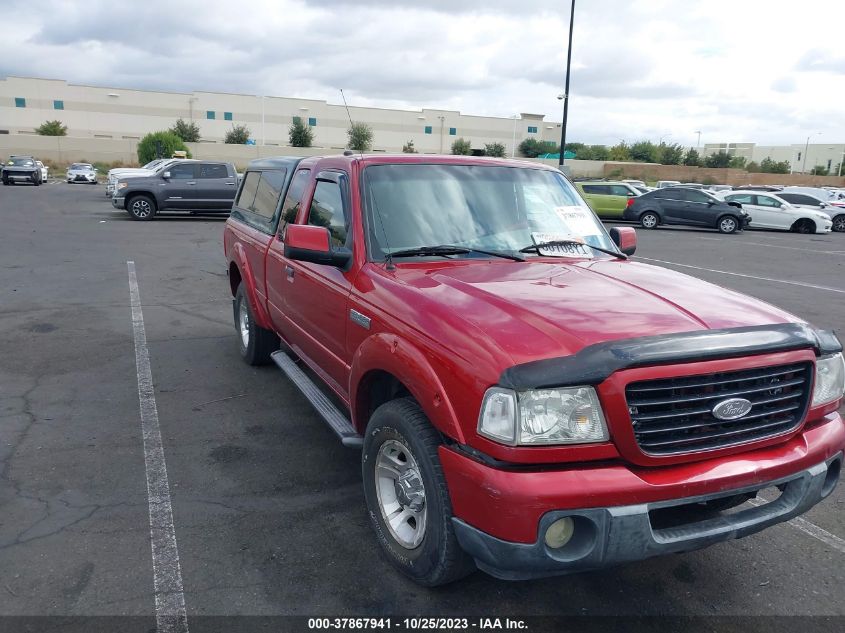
578 220
563 250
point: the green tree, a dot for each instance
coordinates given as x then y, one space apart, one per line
188 132
769 166
692 158
359 137
160 145
52 128
820 170
619 152
599 152
299 134
408 148
670 154
752 167
238 135
462 147
719 159
496 150
644 152
532 148
737 162
577 149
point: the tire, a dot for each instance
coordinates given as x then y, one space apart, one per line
839 223
423 545
254 342
804 226
649 220
141 207
727 224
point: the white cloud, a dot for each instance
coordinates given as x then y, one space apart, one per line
738 71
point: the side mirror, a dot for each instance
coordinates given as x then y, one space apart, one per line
823 205
625 237
307 243
166 175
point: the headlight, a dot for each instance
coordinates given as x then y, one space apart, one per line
122 185
569 415
830 379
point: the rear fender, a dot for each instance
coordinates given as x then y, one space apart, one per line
239 258
400 358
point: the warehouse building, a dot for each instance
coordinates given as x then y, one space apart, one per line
802 157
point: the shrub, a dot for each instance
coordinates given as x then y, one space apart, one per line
299 134
599 152
619 152
819 170
670 154
360 137
160 145
692 158
769 166
408 148
752 167
532 148
494 149
644 152
188 132
737 162
238 135
720 159
462 147
52 128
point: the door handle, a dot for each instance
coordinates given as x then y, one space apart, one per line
230 183
191 182
289 272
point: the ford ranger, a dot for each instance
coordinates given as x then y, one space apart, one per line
528 400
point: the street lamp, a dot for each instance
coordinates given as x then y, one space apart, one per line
698 142
806 147
442 120
515 118
565 95
840 164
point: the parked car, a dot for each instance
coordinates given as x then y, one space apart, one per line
21 168
44 170
186 185
690 185
634 183
82 172
807 201
527 400
715 188
667 183
771 211
771 188
607 199
691 207
128 172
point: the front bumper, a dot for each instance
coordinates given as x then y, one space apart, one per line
118 202
609 536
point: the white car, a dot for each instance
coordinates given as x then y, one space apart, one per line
667 183
807 201
82 172
129 172
770 211
44 170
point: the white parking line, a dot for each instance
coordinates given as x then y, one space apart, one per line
812 529
789 248
171 615
727 272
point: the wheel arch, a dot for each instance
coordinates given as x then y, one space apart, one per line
140 192
240 272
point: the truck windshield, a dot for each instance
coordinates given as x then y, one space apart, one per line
21 162
484 207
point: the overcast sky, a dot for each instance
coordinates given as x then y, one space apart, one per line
738 70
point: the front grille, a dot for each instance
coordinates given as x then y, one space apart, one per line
675 415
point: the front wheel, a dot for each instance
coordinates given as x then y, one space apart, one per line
255 343
406 495
141 207
728 224
804 226
649 220
839 223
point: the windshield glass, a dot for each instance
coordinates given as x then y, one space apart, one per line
80 166
485 207
21 162
153 164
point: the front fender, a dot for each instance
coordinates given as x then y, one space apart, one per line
239 258
402 359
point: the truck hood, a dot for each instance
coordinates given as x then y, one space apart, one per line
540 309
130 171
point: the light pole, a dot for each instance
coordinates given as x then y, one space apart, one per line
698 142
442 120
806 147
840 164
566 88
515 118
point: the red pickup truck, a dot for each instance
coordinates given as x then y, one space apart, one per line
527 399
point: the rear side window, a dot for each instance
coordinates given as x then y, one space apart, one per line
247 195
744 198
597 189
213 170
327 210
798 198
258 198
290 207
268 192
620 190
766 201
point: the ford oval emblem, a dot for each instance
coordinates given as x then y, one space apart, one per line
731 409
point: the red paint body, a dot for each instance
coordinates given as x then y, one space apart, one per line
447 329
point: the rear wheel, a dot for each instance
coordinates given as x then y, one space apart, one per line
141 207
728 224
804 226
255 343
406 494
839 223
649 220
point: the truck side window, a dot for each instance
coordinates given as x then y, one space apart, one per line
213 170
182 172
267 194
247 193
290 207
327 210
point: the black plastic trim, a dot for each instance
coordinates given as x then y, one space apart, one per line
595 363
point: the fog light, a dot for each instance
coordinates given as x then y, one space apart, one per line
560 532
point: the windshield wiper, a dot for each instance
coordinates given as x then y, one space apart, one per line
451 249
535 248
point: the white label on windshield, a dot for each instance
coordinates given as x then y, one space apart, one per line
578 220
569 250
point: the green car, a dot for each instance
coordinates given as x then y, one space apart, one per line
607 199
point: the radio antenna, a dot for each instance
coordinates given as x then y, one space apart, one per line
388 260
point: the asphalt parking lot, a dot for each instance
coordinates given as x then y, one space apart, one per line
267 506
